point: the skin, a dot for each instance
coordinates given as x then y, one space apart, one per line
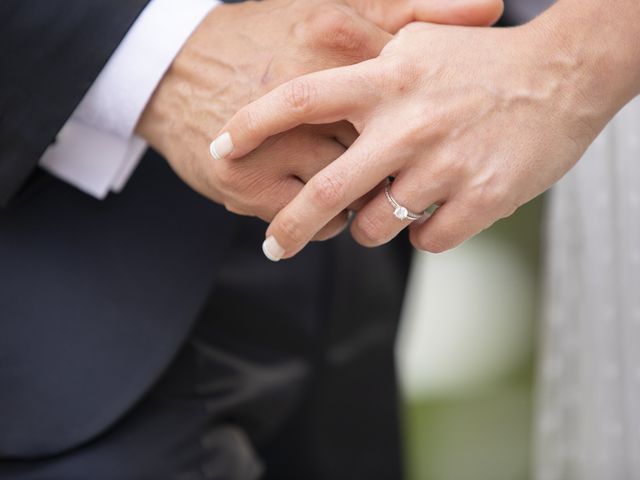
479 121
242 51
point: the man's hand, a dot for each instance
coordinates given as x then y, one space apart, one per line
237 54
243 51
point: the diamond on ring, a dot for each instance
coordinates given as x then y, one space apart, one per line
400 212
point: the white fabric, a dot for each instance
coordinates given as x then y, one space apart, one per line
588 424
96 150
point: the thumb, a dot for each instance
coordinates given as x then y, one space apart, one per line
458 12
392 15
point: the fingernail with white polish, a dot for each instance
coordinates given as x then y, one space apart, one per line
221 147
272 249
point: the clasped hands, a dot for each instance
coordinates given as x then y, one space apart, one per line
317 104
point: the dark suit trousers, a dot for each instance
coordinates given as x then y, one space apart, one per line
287 374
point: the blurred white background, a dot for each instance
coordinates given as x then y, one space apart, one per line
465 355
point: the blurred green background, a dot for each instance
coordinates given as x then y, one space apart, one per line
466 355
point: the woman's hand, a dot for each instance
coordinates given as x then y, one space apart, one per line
476 120
242 51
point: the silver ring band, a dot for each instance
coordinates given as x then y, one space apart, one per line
400 212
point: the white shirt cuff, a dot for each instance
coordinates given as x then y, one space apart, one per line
96 150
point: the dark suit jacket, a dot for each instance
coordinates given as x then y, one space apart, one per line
95 297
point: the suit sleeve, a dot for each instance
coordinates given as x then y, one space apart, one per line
51 51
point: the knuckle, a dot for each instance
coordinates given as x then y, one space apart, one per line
433 244
291 230
229 178
491 195
370 229
273 195
327 190
300 95
454 165
415 132
258 205
337 29
400 75
509 209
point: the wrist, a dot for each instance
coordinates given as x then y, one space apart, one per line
200 89
596 49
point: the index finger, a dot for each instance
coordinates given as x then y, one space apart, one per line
322 97
354 174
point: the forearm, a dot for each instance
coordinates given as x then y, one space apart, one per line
600 43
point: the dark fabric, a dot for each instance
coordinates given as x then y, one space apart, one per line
347 427
517 12
288 374
84 284
95 299
50 53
